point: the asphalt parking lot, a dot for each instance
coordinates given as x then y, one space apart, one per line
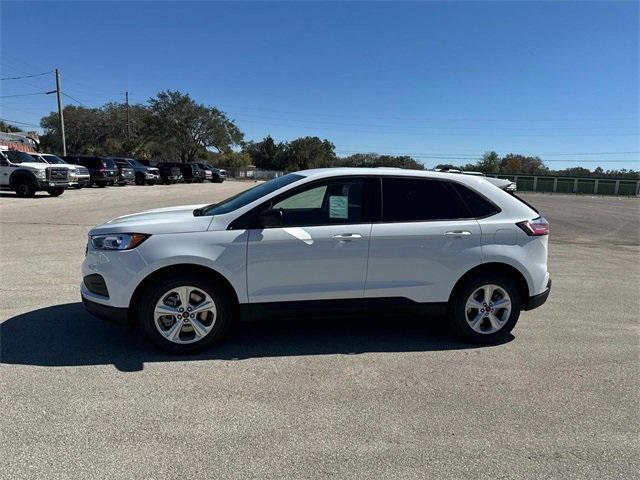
374 398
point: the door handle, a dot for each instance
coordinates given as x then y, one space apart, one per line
347 236
458 233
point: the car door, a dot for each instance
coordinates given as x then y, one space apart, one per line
427 239
318 249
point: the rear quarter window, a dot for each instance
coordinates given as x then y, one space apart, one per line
479 206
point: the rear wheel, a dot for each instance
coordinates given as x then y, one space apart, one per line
140 179
485 309
185 314
24 187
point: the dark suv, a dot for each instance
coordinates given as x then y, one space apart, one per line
103 171
191 172
169 173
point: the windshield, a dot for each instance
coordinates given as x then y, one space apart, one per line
21 157
248 196
134 163
53 159
109 163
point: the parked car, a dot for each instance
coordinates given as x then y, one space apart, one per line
78 175
169 173
342 240
27 175
218 175
206 169
103 171
126 174
143 174
191 173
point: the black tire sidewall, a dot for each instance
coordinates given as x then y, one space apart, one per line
55 192
25 188
151 296
458 306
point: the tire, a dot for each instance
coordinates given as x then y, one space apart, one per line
140 179
151 182
200 285
101 184
472 324
188 180
24 187
55 192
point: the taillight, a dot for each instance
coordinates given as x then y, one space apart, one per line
101 169
536 227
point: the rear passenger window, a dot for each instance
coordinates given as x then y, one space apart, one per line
479 206
415 200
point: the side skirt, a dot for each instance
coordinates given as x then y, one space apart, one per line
350 307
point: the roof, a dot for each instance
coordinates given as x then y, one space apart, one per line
336 171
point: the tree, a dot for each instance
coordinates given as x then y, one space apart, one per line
267 154
308 152
179 126
516 163
490 163
5 127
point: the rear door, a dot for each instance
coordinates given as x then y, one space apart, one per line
320 249
427 239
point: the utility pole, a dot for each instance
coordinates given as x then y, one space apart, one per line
126 100
60 114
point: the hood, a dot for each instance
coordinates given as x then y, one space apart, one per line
158 221
35 165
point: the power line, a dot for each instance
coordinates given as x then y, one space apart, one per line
27 76
74 99
19 123
25 94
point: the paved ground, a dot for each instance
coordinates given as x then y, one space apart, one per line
352 399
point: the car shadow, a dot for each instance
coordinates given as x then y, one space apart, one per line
38 195
66 335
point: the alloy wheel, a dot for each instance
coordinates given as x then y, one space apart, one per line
488 309
185 314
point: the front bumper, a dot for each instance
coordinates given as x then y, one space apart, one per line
47 184
536 301
106 312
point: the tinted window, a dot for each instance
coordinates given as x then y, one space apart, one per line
477 204
414 199
108 163
251 195
334 202
54 159
20 157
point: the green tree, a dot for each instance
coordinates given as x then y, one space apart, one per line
490 163
308 152
179 126
5 127
267 154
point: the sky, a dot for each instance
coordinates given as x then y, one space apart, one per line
443 82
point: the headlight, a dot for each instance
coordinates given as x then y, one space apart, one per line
117 241
41 174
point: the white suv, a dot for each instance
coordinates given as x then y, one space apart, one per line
323 242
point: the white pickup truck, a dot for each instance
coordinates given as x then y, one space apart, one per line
25 175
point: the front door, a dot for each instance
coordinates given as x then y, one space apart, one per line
318 250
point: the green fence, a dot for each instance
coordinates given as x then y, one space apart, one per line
589 186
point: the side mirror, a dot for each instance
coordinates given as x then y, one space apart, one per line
270 218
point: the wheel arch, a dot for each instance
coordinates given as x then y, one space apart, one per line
178 269
22 173
495 268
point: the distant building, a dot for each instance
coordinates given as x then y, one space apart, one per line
21 141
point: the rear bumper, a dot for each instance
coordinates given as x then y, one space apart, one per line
538 300
105 312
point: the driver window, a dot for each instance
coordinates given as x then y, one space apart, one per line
334 202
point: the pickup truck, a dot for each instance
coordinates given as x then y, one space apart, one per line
27 175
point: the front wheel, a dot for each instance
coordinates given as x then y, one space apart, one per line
55 192
485 309
185 314
24 187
